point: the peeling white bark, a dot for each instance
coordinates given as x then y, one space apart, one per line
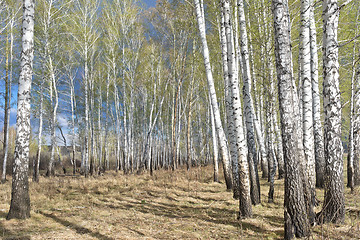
238 134
295 210
20 199
213 98
334 202
318 129
307 110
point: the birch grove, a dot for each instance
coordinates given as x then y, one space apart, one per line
129 88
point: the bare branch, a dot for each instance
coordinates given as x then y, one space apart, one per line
349 41
344 4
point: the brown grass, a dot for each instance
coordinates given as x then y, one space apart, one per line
168 205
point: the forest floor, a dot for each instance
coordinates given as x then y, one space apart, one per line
167 205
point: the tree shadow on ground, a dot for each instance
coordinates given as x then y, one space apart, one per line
210 200
181 211
273 220
8 234
3 214
79 229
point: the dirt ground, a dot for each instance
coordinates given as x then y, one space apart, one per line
167 205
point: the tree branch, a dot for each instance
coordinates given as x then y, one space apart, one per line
344 4
349 41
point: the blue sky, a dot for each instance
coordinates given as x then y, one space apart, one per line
150 3
14 91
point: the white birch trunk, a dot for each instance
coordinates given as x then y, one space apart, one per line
173 126
55 102
215 146
213 98
270 142
229 110
295 210
188 134
351 165
350 157
249 106
20 200
100 131
356 117
105 166
267 64
334 202
86 35
73 107
130 128
279 146
92 116
318 130
38 154
152 123
86 103
118 125
9 72
256 112
357 131
307 110
238 134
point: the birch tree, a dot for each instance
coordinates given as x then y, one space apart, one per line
279 148
9 55
157 79
334 202
40 131
271 156
307 103
46 33
350 157
84 34
267 63
352 162
20 199
127 13
356 116
229 110
295 212
71 81
215 146
134 41
111 40
238 137
248 105
318 129
189 115
213 99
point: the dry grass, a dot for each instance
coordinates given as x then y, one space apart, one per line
168 205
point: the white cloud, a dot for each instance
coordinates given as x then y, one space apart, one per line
62 120
12 118
13 111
